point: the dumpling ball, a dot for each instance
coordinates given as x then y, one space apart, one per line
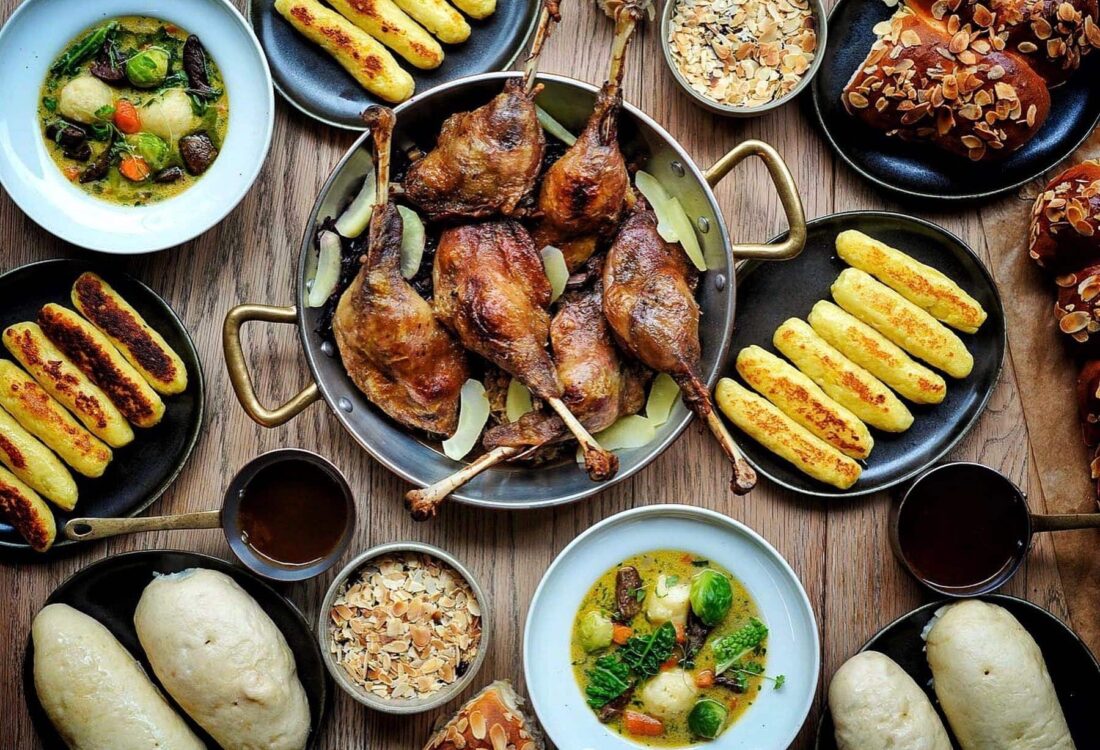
669 694
169 116
82 97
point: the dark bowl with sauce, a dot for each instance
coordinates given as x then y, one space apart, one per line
289 515
962 529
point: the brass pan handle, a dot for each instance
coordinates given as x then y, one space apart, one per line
86 529
241 378
788 196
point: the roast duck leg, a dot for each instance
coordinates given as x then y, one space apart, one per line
599 387
491 290
485 162
649 302
395 351
584 193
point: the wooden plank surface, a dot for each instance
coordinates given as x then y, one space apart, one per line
839 550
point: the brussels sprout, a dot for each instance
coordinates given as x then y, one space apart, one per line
707 719
148 68
595 631
152 149
711 597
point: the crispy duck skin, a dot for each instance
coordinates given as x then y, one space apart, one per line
649 302
486 161
394 349
599 385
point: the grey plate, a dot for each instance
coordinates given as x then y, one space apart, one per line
770 294
141 471
1073 669
109 591
316 84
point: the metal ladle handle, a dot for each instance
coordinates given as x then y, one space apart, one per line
1065 522
85 529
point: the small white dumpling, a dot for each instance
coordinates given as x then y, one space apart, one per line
83 96
665 603
669 694
169 116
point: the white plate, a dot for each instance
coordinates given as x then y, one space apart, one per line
37 33
774 718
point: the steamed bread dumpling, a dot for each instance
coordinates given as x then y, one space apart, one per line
223 660
876 706
992 682
95 693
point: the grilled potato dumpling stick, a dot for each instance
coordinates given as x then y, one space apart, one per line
44 418
362 56
35 464
25 510
784 437
923 285
61 379
848 383
878 355
387 23
477 8
142 346
899 320
93 353
800 399
438 17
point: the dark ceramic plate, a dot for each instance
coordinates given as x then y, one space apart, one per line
924 171
109 591
312 81
141 471
772 292
1072 667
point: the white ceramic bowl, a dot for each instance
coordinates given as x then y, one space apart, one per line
37 32
774 718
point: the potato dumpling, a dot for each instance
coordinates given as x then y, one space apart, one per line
668 603
669 695
169 116
83 96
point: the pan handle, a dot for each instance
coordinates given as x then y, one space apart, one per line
788 196
241 378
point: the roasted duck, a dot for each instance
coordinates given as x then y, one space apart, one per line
394 349
485 162
584 193
491 290
599 387
649 301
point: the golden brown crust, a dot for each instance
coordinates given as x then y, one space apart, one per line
489 721
956 91
25 510
1065 220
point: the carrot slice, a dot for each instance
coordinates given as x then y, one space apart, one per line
71 173
641 725
620 634
670 663
134 168
126 117
704 679
681 634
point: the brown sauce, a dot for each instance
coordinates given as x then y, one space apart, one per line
293 513
960 529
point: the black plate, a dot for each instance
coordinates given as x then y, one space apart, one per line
1072 667
144 469
109 591
924 171
312 81
772 292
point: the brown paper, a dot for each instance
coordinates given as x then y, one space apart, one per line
1046 373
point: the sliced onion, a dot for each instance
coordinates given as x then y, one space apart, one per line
627 432
554 263
662 396
656 196
412 241
685 232
473 413
357 215
554 128
518 402
328 269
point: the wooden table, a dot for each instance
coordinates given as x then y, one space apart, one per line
839 550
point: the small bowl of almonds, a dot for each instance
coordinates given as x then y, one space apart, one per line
743 58
404 628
